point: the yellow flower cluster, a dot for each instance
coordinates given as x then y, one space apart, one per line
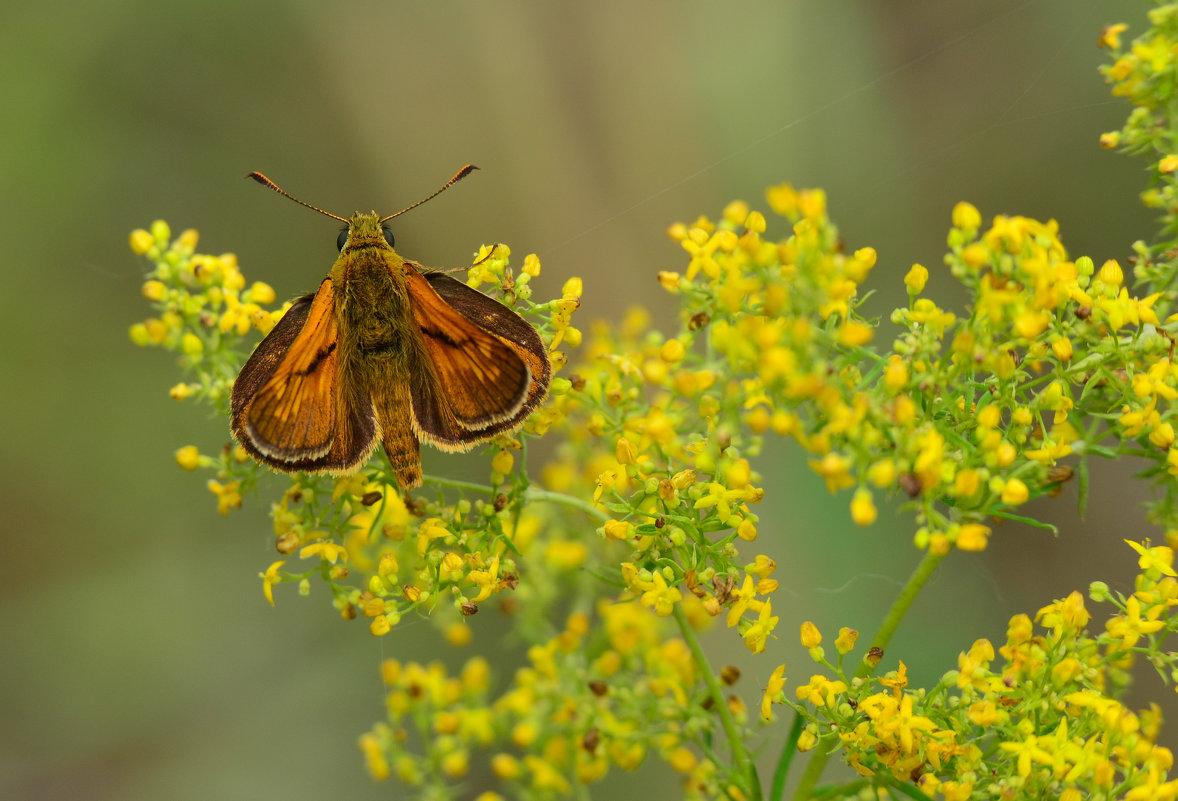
1048 710
203 304
580 706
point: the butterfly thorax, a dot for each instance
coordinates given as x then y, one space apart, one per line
370 294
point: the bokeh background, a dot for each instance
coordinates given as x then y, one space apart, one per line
138 659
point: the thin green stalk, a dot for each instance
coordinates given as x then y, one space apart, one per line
546 496
882 638
468 486
740 757
786 759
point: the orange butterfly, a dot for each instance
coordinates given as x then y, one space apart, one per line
386 351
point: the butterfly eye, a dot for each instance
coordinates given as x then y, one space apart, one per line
388 235
342 239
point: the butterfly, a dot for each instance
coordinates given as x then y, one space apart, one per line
385 351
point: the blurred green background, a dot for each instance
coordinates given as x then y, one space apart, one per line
139 659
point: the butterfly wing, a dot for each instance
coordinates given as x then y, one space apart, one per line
474 382
291 407
513 330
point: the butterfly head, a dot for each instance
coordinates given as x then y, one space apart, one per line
364 231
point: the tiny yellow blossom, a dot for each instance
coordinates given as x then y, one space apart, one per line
228 496
141 241
625 452
966 216
1015 492
154 290
916 279
811 637
863 511
672 351
846 640
669 280
269 578
747 530
1159 558
502 462
1162 435
1111 273
973 537
330 551
756 634
188 457
772 689
191 344
618 529
1110 37
573 288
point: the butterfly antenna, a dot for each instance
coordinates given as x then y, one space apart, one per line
264 181
458 176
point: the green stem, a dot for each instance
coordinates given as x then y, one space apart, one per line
546 496
468 486
740 757
883 637
787 756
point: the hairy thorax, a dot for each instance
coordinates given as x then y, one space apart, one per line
371 295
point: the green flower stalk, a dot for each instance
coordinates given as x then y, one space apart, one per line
640 530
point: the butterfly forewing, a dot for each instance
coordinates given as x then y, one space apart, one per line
484 380
292 417
509 327
290 408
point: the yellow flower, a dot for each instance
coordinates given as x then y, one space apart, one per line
228 496
756 634
625 452
487 580
141 241
772 690
1160 558
863 510
916 279
821 691
618 529
661 598
269 579
1111 273
811 637
1131 626
325 550
672 351
502 462
846 640
973 537
374 757
966 216
188 457
1015 492
1110 37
